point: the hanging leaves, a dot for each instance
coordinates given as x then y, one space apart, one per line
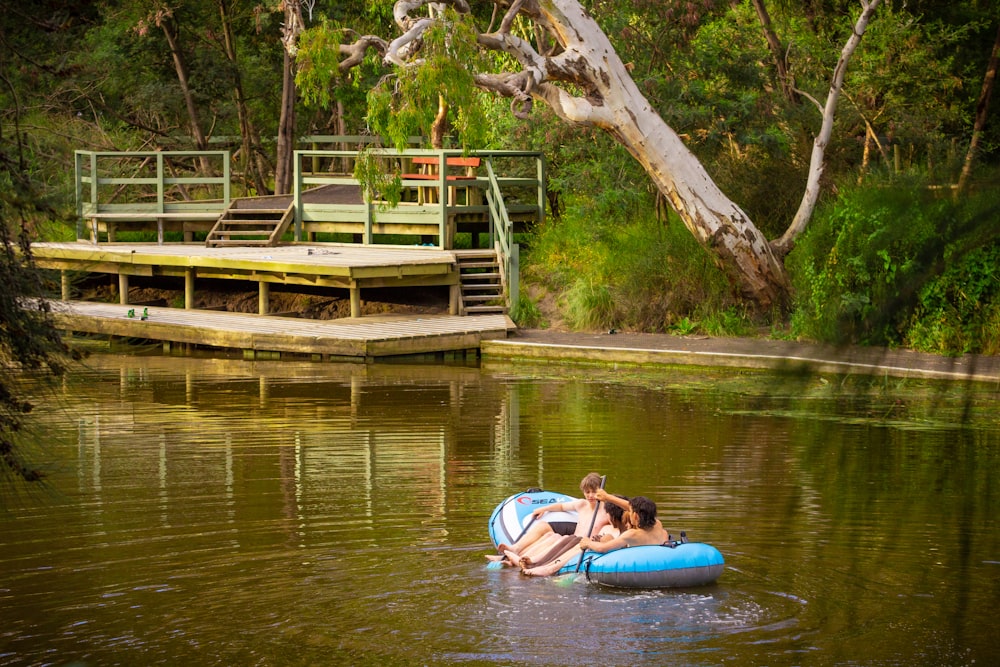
441 70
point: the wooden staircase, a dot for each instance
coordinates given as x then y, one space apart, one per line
481 282
246 223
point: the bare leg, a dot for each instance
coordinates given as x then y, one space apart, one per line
552 566
533 534
538 550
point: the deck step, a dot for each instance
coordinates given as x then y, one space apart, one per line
245 226
241 242
483 310
257 211
480 282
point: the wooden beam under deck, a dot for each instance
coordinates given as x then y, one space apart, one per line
359 338
341 266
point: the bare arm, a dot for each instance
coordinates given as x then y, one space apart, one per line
558 507
619 542
606 497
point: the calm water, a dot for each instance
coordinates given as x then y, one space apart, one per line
220 512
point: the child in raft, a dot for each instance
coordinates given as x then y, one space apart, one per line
616 525
646 528
542 537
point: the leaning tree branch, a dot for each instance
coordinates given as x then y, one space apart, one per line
356 52
404 46
817 161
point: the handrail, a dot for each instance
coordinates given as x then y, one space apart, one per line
87 173
502 237
435 215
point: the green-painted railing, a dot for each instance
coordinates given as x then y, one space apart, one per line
152 184
148 183
517 172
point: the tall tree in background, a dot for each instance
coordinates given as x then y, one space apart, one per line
252 155
982 110
287 129
566 61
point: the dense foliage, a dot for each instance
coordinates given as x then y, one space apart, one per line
902 265
28 339
138 74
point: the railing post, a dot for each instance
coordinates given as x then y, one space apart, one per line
443 200
93 181
514 278
159 182
540 175
226 178
297 193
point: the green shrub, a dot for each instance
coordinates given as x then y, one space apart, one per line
959 311
879 262
630 274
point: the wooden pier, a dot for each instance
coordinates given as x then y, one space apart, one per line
336 266
331 233
363 339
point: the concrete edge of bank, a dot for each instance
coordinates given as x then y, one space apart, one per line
513 349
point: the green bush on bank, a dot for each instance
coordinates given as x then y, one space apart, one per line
900 265
637 274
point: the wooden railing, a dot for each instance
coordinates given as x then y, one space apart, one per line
497 189
509 184
150 186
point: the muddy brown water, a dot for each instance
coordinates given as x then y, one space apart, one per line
221 512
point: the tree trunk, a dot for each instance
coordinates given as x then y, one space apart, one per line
982 110
180 66
440 126
715 220
777 53
287 133
250 147
286 130
817 161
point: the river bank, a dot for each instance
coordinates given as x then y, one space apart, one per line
746 353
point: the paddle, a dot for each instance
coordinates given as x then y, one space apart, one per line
593 521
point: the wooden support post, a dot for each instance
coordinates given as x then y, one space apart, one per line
67 293
189 289
454 299
263 298
355 301
123 288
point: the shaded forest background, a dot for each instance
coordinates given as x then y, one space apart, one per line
898 253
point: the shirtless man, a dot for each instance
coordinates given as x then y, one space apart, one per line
541 538
646 530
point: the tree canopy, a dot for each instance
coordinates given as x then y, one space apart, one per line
712 107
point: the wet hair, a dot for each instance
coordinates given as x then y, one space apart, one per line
645 510
616 514
592 482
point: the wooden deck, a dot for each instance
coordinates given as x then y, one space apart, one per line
353 338
329 265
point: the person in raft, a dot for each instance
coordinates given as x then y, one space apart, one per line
542 537
616 525
646 528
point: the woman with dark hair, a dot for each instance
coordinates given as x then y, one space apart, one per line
640 515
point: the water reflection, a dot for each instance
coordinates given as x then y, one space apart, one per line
226 512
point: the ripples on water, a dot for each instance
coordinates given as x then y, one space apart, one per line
214 512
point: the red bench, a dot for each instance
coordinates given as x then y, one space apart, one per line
431 163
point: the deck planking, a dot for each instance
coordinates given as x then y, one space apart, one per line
362 338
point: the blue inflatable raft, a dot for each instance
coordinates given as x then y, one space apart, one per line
679 565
